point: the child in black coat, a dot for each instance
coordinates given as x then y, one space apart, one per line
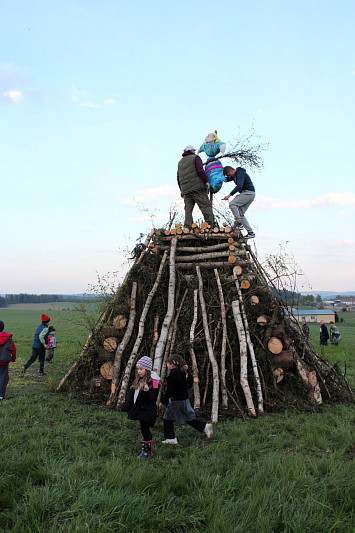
141 403
179 409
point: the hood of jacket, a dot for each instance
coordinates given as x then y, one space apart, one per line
4 337
187 152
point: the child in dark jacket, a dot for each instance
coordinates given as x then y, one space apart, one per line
179 409
141 403
7 355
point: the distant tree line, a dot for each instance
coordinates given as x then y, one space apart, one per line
24 298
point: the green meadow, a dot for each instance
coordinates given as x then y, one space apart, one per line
69 464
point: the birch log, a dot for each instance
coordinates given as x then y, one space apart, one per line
155 337
215 391
140 334
224 341
196 387
309 377
210 255
167 320
251 348
122 345
243 357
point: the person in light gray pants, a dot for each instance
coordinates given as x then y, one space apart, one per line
240 204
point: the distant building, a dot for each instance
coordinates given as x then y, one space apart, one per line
315 315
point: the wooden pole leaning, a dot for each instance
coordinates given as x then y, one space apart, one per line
122 346
134 352
251 347
159 350
213 361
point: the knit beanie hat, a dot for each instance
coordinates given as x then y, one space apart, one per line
45 318
188 148
145 362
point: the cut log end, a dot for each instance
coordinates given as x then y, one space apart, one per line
237 270
275 345
110 344
262 320
119 322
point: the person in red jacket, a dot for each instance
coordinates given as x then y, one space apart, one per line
7 354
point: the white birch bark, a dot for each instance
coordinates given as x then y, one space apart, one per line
140 334
169 314
243 357
224 341
122 345
309 377
215 391
251 348
196 387
210 255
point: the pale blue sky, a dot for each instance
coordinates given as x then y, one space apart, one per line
98 99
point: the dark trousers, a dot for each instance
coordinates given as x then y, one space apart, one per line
169 432
146 433
4 379
36 352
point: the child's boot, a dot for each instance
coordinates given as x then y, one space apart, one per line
147 449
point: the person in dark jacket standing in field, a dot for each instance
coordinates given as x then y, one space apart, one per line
39 346
193 184
239 205
176 397
7 355
324 335
305 329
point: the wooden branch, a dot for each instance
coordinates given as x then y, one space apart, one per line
155 336
243 357
251 348
122 345
145 245
212 248
215 392
201 237
309 377
210 255
167 320
172 345
224 341
209 264
196 388
139 338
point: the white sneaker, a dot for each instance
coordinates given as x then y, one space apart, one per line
169 441
208 430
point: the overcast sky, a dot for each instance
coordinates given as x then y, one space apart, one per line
98 99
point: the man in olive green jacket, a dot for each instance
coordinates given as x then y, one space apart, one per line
193 184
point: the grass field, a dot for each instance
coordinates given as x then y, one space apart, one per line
70 465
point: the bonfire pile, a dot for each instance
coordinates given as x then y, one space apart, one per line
201 292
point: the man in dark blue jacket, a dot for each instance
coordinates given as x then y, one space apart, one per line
39 346
239 204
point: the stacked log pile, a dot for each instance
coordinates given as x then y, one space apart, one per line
201 292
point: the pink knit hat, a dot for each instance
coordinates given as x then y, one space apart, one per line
145 362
